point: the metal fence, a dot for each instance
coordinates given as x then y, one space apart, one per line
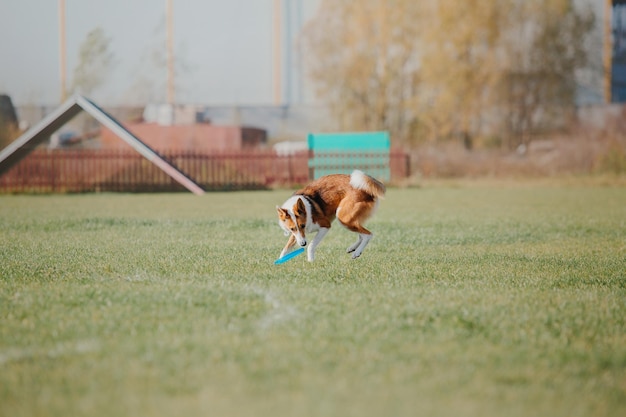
75 171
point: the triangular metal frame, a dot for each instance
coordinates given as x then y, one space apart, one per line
23 145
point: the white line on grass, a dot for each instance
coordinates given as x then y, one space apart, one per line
79 347
279 312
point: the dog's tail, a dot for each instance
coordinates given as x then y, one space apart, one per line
370 185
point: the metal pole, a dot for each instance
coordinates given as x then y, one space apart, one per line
288 58
608 50
277 53
169 17
62 51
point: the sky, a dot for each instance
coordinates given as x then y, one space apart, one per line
223 50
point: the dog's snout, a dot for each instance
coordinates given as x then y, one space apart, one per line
303 243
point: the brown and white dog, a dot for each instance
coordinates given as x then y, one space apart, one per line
351 198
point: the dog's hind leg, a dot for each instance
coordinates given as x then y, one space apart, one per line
352 219
352 248
364 239
310 254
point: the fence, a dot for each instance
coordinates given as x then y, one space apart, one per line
73 171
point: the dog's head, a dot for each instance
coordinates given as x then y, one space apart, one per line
293 221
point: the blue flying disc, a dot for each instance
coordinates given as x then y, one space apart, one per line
288 256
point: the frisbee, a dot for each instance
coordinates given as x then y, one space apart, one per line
288 256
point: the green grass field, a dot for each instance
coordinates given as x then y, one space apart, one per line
469 301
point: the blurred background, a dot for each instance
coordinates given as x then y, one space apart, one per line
472 88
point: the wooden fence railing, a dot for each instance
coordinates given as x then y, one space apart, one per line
74 171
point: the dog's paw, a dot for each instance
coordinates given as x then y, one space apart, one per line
352 248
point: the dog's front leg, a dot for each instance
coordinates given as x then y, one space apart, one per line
316 241
290 242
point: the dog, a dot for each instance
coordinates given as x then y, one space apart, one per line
352 199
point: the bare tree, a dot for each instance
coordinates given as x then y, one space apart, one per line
546 49
150 74
444 68
95 61
363 57
9 128
461 65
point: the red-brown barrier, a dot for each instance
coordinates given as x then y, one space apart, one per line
75 171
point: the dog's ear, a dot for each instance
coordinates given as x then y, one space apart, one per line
282 213
299 209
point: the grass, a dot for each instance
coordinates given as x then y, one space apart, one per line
473 301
